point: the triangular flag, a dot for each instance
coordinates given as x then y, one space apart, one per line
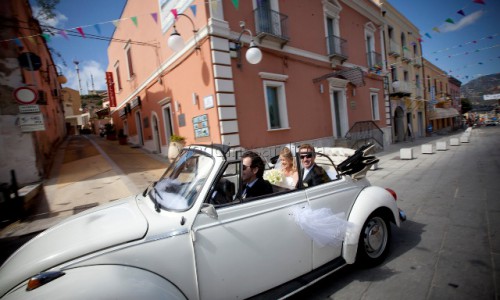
98 28
436 29
461 12
46 37
449 20
174 12
428 35
480 63
479 1
32 40
63 33
80 30
134 19
116 23
474 42
236 3
155 17
193 9
18 43
420 40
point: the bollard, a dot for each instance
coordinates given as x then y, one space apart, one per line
454 142
406 153
427 149
441 146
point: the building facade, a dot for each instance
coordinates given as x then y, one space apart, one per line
441 115
404 75
31 122
314 83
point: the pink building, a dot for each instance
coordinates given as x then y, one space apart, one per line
317 81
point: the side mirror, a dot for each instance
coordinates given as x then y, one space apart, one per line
209 210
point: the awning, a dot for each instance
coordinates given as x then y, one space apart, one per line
354 75
443 113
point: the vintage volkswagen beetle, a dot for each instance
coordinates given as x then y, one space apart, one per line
190 237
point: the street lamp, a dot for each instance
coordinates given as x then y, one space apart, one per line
253 55
175 41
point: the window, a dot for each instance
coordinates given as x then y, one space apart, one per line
117 77
394 73
275 105
128 53
417 81
332 10
375 110
405 76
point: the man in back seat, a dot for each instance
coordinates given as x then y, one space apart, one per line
312 174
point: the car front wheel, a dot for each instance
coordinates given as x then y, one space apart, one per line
374 241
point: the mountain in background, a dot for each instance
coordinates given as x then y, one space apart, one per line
484 85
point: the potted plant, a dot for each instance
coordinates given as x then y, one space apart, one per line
110 131
177 142
122 137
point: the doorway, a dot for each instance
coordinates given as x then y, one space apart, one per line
399 129
138 124
156 133
167 122
339 113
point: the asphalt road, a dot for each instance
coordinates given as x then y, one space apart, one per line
450 246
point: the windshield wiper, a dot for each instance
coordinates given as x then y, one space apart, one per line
153 197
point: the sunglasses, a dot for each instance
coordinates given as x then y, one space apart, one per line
308 155
246 167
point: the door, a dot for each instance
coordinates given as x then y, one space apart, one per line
339 114
167 119
156 134
251 247
138 124
399 124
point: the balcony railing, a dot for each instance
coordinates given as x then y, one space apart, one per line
337 47
272 25
417 62
365 132
406 55
394 49
374 60
419 93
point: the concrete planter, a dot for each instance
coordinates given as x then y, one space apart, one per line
174 149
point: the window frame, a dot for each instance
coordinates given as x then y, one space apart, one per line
375 106
281 99
128 57
118 80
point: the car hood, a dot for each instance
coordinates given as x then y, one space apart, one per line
92 230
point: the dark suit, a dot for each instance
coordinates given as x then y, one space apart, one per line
259 188
317 175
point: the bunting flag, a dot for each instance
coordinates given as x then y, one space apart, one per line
32 40
46 37
461 12
116 23
428 35
193 9
155 17
64 34
97 28
18 43
436 29
479 1
80 30
449 20
174 12
134 19
236 3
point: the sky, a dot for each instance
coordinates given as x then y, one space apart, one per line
466 49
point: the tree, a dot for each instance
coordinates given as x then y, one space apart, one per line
47 8
466 105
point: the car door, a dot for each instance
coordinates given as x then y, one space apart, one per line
250 247
337 195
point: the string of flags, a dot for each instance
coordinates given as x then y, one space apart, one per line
450 20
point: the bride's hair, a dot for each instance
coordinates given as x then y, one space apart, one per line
287 154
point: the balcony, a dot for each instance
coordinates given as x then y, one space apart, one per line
271 25
406 55
400 89
337 48
394 49
417 62
374 60
419 93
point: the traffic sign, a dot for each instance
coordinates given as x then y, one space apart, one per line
25 95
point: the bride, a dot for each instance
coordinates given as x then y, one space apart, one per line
288 168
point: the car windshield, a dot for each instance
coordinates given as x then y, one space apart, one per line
181 184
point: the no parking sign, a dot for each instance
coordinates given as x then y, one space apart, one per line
25 95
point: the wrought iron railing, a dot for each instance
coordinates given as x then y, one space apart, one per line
337 46
271 22
364 132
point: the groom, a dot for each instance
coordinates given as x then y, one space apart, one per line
312 174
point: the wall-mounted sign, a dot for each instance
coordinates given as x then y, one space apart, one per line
25 95
208 102
33 108
200 125
135 102
31 122
111 89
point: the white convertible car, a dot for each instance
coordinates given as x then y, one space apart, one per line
189 236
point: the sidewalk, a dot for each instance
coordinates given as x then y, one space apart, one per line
89 171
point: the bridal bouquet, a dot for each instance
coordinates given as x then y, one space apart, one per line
274 176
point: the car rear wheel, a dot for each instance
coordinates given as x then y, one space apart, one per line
374 241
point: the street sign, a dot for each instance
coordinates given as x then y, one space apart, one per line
32 108
25 95
31 122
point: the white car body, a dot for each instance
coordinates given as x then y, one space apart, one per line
130 249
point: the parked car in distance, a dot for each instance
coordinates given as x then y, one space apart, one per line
190 236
